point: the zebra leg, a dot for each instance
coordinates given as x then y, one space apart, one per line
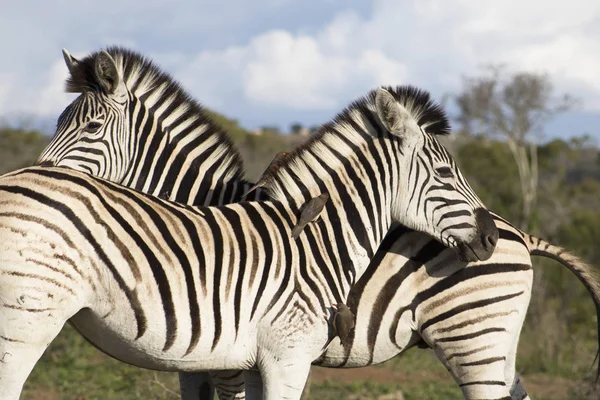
253 385
484 370
196 386
229 384
478 367
517 391
486 383
25 333
284 378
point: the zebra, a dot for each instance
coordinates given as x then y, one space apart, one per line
132 68
160 284
470 315
134 125
415 292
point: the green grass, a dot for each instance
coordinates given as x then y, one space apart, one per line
73 369
330 390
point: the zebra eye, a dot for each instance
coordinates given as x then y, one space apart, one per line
444 172
92 126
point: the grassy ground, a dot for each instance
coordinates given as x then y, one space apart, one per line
73 369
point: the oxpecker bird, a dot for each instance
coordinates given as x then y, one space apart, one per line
273 166
310 212
343 322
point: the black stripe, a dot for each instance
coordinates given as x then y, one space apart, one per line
454 214
286 262
493 383
424 187
215 230
511 236
152 260
485 361
263 233
192 234
234 219
469 273
467 307
468 336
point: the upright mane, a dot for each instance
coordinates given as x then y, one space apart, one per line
145 80
351 126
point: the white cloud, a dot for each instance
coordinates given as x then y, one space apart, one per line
283 70
53 98
300 72
428 43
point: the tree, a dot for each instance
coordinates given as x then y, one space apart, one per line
271 129
296 128
488 166
515 108
20 148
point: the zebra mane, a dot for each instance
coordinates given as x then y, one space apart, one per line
144 78
352 125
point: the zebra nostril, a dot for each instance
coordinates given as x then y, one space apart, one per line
487 228
490 241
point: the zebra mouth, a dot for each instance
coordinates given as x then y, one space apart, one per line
481 247
466 253
475 250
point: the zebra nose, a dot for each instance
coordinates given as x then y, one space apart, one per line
488 229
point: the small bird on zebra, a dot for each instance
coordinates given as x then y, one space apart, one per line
271 168
343 322
310 212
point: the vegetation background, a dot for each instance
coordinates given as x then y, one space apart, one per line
558 342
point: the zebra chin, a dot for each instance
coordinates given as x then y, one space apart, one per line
483 244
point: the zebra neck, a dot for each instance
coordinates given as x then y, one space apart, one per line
356 226
184 157
359 183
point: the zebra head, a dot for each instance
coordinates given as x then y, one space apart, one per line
94 128
135 125
433 195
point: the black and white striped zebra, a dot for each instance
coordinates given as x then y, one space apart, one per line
416 292
471 316
169 286
401 242
147 133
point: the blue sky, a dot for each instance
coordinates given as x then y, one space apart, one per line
274 62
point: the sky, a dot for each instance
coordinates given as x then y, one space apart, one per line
276 62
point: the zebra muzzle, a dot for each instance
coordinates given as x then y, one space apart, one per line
484 242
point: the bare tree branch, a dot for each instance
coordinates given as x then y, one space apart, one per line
514 108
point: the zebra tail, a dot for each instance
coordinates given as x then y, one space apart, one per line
584 272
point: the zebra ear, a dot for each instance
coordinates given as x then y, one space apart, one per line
107 73
71 61
392 115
